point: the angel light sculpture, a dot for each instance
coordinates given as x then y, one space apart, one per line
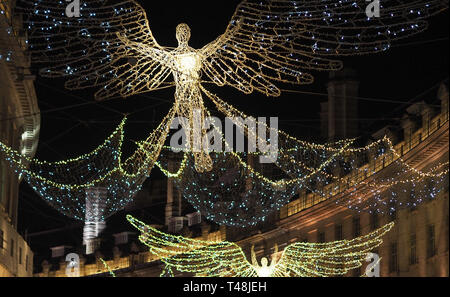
265 270
226 259
110 45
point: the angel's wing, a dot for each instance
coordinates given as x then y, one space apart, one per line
328 259
271 41
202 258
90 49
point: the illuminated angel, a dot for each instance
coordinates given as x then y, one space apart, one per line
226 259
111 46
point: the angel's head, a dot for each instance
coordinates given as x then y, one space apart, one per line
183 34
264 262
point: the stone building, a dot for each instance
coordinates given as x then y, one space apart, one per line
419 243
19 129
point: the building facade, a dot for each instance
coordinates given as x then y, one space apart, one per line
19 129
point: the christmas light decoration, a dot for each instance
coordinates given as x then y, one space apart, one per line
239 192
108 268
111 45
65 185
225 259
401 189
76 171
236 192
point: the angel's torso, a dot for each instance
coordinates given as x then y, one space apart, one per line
188 65
186 70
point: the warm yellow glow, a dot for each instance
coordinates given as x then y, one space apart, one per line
264 44
225 259
189 63
264 270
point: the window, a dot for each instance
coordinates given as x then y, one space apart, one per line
412 250
431 248
321 237
430 189
393 206
374 222
393 258
26 263
338 232
447 225
1 239
2 182
12 248
356 272
20 255
412 200
356 227
120 238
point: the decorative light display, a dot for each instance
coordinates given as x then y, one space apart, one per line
237 191
65 185
240 192
111 45
226 259
403 188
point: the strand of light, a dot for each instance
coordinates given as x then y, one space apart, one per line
108 268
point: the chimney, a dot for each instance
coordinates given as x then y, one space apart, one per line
338 115
206 228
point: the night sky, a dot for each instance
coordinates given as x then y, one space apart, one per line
412 67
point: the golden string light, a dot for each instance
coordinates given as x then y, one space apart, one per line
225 259
368 186
111 45
92 166
64 187
108 268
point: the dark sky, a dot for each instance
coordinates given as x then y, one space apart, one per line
410 68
